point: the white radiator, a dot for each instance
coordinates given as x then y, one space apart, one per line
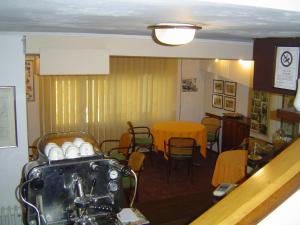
10 216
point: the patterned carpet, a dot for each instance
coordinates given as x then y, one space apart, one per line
153 178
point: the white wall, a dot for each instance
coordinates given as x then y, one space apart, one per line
227 70
191 104
141 46
13 74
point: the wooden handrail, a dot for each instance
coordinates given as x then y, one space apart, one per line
260 194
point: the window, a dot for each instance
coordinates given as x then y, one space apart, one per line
139 89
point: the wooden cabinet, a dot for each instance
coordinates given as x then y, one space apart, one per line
234 131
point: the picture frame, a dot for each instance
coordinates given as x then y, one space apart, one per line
259 112
8 127
217 101
29 79
229 104
189 85
230 88
218 86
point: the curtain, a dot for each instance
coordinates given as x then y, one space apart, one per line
142 90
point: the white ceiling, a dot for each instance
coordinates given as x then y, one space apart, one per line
225 20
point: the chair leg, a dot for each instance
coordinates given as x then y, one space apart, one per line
137 193
169 170
150 155
191 169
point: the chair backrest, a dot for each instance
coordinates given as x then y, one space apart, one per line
138 130
129 123
249 143
230 167
211 124
181 146
125 142
141 136
136 160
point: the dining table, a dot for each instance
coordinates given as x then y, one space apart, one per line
164 130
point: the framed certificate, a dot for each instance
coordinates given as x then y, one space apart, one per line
8 133
286 67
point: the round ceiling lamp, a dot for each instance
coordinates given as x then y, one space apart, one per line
173 33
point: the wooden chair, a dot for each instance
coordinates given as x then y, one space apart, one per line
142 138
230 167
213 126
121 151
180 148
135 162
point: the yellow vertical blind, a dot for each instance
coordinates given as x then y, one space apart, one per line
139 89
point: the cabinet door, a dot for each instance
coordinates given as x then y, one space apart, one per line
233 133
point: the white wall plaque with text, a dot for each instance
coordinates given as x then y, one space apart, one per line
287 65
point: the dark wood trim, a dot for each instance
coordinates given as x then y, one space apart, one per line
264 56
289 114
213 115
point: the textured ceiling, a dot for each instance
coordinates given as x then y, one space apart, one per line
238 21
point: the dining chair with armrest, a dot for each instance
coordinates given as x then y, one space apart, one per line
135 162
230 167
121 151
213 126
180 148
142 138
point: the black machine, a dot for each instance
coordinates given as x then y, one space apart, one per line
82 190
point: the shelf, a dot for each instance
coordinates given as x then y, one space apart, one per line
289 114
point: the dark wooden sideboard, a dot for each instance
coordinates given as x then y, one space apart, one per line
234 130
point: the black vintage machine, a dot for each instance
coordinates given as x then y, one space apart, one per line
84 189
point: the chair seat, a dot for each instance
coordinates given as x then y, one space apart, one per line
178 156
211 136
117 155
143 141
181 152
128 182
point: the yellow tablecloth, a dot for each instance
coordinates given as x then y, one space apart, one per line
164 130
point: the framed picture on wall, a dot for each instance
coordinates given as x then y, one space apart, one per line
218 86
29 80
230 88
189 85
260 112
8 131
217 101
229 104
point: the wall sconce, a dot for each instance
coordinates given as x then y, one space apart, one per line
173 33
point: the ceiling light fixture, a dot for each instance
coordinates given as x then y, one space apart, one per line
173 33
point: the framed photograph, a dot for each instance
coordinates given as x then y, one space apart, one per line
29 79
217 101
189 85
229 104
260 112
218 86
230 88
8 131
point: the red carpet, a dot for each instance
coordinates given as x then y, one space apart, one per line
153 178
